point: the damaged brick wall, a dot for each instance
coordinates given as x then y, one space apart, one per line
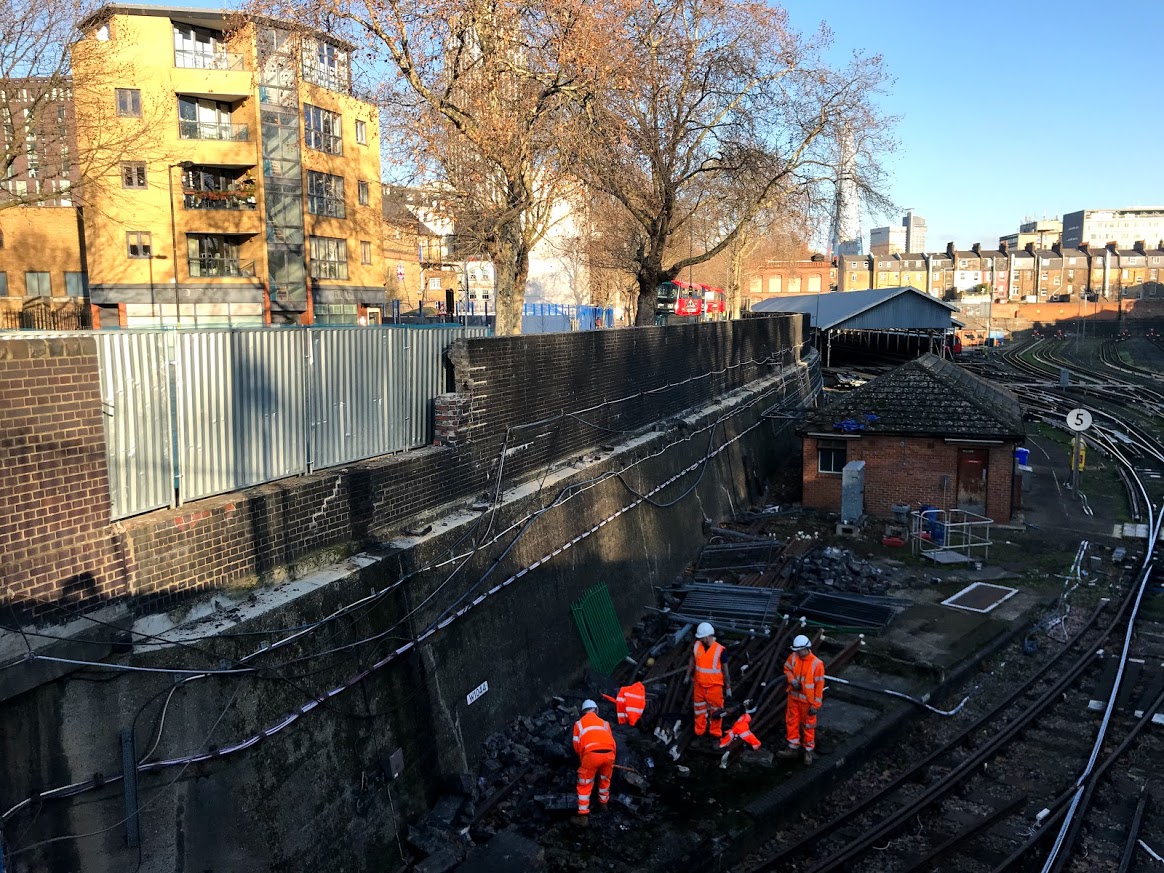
60 542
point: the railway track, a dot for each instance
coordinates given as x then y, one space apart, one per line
1056 774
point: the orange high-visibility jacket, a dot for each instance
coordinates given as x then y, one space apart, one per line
592 734
632 700
708 664
810 670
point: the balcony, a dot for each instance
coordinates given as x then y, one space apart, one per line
191 59
230 199
220 131
220 268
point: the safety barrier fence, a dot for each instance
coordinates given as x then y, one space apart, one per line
189 414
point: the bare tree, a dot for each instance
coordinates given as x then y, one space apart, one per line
723 98
486 83
48 149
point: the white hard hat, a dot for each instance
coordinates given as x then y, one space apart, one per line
588 704
704 630
801 642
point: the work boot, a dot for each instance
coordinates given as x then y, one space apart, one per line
807 757
788 753
582 820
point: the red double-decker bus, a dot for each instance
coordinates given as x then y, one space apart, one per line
688 300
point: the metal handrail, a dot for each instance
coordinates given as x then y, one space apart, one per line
221 268
219 130
228 199
194 59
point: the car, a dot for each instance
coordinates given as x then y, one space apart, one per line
1059 298
1090 296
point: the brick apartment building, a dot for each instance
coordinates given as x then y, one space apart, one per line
930 434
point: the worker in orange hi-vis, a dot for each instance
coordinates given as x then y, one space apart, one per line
630 703
594 743
741 730
805 674
711 681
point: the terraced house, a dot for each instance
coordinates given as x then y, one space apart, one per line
231 177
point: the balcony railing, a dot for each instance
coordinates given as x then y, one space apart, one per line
220 130
222 267
219 199
192 59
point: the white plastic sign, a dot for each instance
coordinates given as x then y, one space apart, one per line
476 692
1079 420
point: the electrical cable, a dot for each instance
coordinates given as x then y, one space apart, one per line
429 631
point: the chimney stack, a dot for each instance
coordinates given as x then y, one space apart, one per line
1057 248
951 252
1003 246
1139 246
977 249
1030 248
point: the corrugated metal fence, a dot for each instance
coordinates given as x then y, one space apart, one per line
193 413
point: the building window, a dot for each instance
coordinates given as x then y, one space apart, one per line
830 456
325 194
137 244
336 313
129 102
329 258
362 132
365 252
217 256
37 285
204 118
321 130
3 284
362 192
133 174
1 239
77 284
327 65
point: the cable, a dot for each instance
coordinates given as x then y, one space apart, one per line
140 806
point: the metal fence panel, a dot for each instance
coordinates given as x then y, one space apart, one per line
372 389
135 397
241 408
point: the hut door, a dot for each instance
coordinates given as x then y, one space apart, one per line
972 480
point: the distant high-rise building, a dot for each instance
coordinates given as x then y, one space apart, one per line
915 232
909 237
1044 233
1124 227
845 234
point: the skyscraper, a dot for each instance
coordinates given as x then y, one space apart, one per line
845 234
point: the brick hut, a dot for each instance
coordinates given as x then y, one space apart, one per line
929 432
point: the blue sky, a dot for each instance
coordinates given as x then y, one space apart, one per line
1011 109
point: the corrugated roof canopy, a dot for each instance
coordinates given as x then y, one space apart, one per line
902 308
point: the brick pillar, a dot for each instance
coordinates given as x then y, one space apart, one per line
452 419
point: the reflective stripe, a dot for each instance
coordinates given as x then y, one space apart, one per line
585 781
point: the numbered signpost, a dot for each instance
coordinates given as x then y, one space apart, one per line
1078 420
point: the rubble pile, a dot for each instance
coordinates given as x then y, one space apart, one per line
669 786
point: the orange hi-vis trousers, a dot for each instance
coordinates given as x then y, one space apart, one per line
708 701
800 723
598 764
741 730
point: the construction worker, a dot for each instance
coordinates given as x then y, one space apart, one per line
711 681
594 743
741 730
630 703
805 674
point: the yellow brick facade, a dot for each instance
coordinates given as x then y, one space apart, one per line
193 201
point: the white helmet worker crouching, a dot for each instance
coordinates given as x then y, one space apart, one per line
704 630
801 642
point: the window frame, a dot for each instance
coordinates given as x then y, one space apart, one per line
133 108
48 281
363 192
142 178
323 130
365 251
361 132
144 243
831 447
82 278
318 246
325 195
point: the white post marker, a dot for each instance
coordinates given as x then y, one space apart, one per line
1078 420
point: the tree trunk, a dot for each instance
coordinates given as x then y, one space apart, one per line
511 266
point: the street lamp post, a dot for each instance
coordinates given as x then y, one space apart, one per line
183 165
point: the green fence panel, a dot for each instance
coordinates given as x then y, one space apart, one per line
601 632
